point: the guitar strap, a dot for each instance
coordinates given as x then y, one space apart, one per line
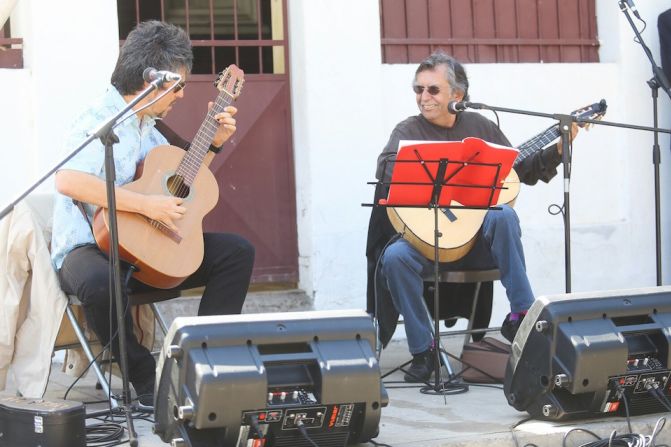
174 138
80 205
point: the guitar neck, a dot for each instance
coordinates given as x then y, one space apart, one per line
200 145
538 142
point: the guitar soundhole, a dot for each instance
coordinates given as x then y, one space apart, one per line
177 186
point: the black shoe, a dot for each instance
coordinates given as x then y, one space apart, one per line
144 390
509 328
421 368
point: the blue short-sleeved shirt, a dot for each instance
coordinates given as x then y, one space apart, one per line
136 139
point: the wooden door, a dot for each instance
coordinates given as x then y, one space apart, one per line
255 170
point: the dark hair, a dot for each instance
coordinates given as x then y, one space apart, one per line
160 45
456 74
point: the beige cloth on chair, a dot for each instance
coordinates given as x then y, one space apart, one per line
30 297
33 303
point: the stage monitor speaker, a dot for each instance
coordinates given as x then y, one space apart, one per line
592 354
269 380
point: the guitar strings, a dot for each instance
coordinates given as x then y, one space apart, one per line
179 187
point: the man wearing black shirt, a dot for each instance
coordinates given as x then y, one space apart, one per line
400 268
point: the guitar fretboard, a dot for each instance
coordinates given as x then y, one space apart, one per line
190 164
538 142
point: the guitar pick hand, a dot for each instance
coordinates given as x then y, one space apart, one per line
164 209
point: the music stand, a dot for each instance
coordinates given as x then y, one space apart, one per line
441 176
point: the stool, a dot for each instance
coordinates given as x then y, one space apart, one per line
468 276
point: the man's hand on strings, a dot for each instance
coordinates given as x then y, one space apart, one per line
574 131
164 209
226 124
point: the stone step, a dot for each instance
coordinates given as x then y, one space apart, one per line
266 301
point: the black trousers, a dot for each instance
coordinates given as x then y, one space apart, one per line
225 272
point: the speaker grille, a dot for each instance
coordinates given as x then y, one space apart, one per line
321 439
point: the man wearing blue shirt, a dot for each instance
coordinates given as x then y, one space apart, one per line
83 269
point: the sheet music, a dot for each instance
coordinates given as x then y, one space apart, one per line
475 170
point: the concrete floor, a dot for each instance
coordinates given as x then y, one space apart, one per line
479 417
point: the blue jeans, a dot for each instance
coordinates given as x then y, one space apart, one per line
498 245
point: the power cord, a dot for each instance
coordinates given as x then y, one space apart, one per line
304 432
626 440
378 444
105 434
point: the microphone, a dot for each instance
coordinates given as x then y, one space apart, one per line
630 4
151 74
455 107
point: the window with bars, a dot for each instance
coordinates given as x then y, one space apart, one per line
249 33
11 49
481 31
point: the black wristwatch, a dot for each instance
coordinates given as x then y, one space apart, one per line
215 149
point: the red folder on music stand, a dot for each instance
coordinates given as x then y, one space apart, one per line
473 175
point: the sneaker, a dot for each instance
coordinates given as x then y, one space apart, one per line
509 328
144 390
421 368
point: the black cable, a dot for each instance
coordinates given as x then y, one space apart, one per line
446 389
512 432
662 398
104 435
615 440
304 432
378 444
626 407
81 375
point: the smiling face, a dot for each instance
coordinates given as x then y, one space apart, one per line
433 93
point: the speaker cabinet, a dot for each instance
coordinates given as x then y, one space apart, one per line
270 379
589 354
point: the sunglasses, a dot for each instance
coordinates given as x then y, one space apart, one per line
179 87
432 89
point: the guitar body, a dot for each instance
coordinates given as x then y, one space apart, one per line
416 225
164 259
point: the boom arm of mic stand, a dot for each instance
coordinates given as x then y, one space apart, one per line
658 75
97 133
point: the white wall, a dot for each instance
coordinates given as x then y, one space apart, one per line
346 103
337 107
68 59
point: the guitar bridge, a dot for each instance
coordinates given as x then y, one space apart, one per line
163 228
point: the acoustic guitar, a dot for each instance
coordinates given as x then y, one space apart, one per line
165 258
459 227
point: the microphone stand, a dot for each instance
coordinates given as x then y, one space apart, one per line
565 123
106 135
658 80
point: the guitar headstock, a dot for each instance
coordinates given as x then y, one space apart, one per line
594 111
230 81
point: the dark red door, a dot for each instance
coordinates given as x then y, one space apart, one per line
255 171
